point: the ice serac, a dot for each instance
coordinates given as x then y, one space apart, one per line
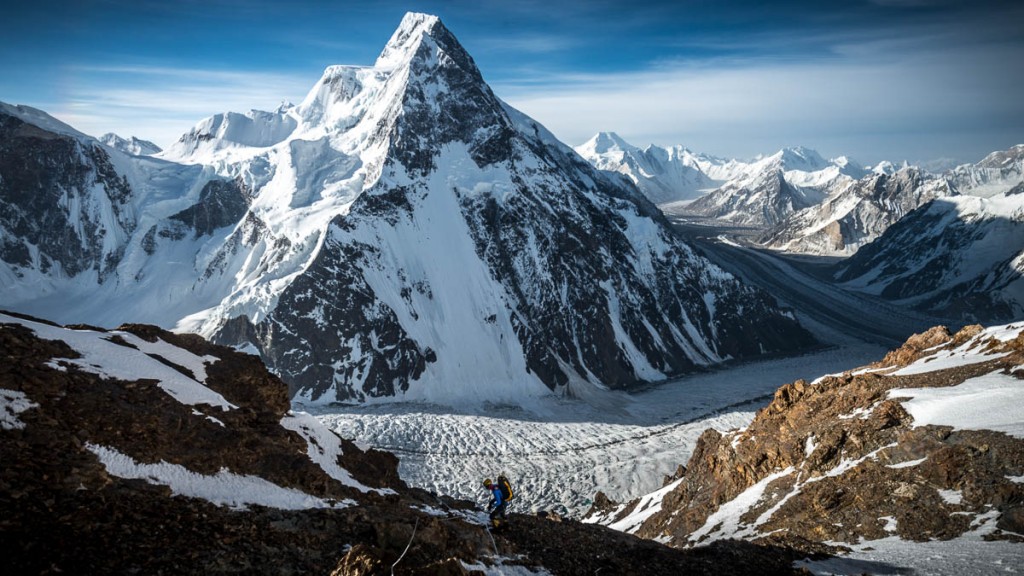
483 259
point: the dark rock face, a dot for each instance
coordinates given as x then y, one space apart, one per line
62 510
840 458
221 203
47 201
336 313
590 255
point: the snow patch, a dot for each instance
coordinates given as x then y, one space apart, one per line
907 464
224 488
989 402
324 448
101 356
955 497
12 403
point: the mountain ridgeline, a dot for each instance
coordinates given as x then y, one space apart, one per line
401 232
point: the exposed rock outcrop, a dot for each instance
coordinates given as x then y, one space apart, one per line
843 459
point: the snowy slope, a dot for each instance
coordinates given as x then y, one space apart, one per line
400 232
961 256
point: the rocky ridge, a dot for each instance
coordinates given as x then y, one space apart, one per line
843 460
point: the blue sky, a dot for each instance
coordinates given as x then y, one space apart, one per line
883 79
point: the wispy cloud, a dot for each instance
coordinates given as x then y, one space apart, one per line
873 109
528 43
160 103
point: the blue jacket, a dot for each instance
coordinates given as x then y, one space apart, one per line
496 495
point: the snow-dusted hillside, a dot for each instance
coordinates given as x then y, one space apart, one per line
958 257
140 451
400 232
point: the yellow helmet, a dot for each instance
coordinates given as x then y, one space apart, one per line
487 481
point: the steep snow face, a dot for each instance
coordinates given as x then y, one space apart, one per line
664 175
403 233
130 145
960 256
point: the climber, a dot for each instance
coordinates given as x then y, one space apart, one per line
497 505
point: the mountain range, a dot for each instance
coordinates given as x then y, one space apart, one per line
798 201
401 232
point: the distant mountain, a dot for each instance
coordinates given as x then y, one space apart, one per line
856 213
768 190
131 145
925 445
663 175
401 232
996 173
956 257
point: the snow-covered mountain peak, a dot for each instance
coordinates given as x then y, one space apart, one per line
799 158
1003 158
130 145
38 118
256 128
405 42
605 142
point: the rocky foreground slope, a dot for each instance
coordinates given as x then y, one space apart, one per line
142 451
927 444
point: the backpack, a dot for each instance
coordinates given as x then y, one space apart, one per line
506 488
